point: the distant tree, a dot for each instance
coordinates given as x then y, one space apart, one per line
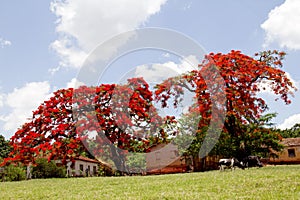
136 163
291 132
257 139
5 147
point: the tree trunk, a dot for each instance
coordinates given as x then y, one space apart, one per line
196 163
203 164
119 160
28 172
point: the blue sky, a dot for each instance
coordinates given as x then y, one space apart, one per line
44 43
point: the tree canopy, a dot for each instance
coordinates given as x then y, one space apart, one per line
123 118
244 77
5 147
292 132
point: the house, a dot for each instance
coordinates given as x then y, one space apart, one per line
290 154
83 166
165 158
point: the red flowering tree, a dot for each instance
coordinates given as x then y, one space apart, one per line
50 133
124 118
243 78
120 117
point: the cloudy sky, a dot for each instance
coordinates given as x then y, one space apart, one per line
44 43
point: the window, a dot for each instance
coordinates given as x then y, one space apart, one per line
94 170
81 168
291 153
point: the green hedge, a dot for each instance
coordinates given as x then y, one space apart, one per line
45 169
15 173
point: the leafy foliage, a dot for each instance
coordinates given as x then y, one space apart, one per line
5 147
45 169
244 77
15 172
122 116
291 132
257 139
136 163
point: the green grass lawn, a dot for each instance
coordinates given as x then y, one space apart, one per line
276 182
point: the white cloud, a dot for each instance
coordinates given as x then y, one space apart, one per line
187 6
74 83
188 63
282 25
290 122
21 102
158 72
82 25
69 54
4 43
52 71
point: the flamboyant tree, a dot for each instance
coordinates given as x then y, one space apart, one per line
243 78
124 118
50 133
120 117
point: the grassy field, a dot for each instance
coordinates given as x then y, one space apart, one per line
276 182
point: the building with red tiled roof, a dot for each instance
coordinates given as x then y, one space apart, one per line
83 166
290 154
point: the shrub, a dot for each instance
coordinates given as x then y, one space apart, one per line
136 163
45 169
15 173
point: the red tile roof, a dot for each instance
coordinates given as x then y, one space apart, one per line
87 159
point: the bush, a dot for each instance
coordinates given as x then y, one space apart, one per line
15 173
136 163
45 169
